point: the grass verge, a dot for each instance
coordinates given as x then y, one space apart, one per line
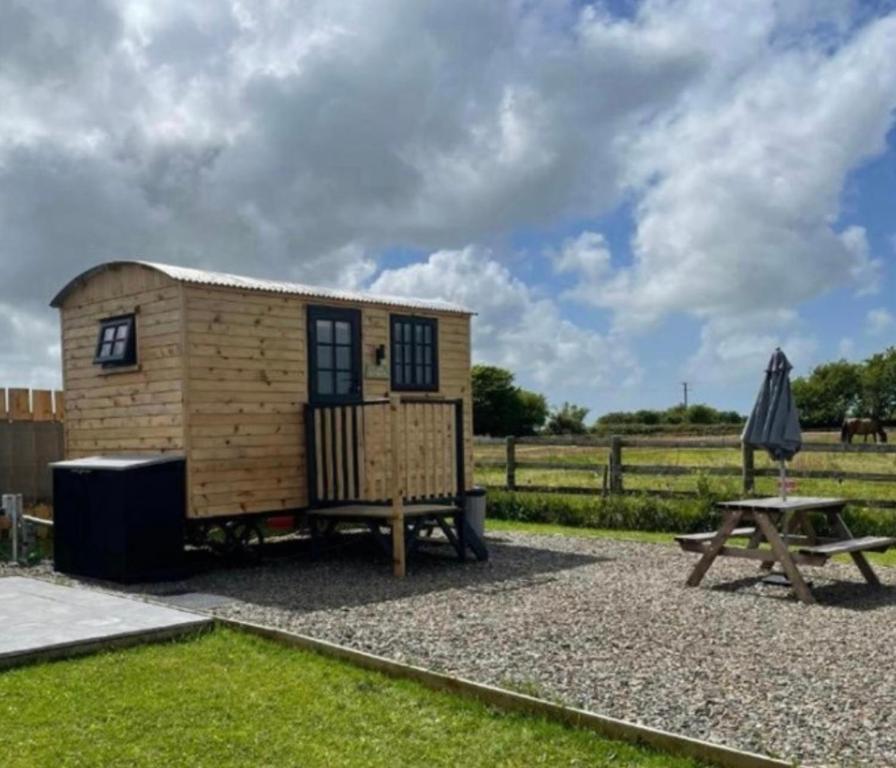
227 699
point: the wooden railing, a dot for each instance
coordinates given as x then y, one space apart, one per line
373 451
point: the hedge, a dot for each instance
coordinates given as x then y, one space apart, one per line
643 512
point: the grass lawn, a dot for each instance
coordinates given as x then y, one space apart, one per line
228 699
493 525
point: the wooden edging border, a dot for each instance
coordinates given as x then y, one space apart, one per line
620 730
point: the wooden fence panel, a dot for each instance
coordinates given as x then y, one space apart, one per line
42 405
20 405
31 436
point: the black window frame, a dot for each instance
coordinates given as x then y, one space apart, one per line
415 385
128 356
353 317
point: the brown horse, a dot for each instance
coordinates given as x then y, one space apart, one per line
853 427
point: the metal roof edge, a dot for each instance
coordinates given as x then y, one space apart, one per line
195 276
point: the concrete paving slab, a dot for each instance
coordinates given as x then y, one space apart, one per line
196 601
41 621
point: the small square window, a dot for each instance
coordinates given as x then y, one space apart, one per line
117 344
414 353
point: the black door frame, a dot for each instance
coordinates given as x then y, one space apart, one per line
353 317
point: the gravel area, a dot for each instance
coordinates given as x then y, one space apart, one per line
609 626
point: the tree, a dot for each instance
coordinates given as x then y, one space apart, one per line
877 395
702 414
501 408
829 393
533 410
569 419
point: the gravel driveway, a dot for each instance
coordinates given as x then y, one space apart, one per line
609 626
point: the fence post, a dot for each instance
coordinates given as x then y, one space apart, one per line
616 464
748 467
511 463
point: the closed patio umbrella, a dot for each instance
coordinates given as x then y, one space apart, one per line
774 423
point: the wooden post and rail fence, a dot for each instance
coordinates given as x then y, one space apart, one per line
31 436
613 469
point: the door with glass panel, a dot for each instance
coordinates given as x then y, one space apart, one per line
334 355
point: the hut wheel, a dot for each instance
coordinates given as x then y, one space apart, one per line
238 540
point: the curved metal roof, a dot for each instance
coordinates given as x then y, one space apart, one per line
240 282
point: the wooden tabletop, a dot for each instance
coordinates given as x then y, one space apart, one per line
777 504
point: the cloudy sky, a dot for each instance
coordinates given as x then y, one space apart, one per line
631 194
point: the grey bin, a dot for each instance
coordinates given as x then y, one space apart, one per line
475 509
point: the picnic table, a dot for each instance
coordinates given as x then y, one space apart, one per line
785 525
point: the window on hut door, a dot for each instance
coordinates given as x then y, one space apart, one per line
334 355
415 359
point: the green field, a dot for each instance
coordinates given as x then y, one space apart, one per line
691 457
225 699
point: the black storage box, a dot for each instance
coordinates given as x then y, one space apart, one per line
119 517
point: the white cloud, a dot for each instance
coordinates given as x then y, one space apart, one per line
298 139
846 348
734 349
588 258
514 328
29 350
741 184
879 321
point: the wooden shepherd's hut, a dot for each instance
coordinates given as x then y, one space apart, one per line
281 397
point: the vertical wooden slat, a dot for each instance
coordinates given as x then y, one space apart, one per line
425 451
453 453
351 454
432 463
326 415
448 442
461 441
437 449
339 463
414 438
4 413
318 453
377 457
42 404
19 405
373 450
59 405
398 491
361 437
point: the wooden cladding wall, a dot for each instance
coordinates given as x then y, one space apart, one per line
221 375
30 438
350 447
135 409
245 387
246 390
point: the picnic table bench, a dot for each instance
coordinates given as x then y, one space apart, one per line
785 525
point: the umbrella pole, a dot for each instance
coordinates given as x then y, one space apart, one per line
783 480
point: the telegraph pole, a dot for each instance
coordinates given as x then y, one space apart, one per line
684 387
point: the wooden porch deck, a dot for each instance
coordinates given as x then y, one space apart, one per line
396 463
